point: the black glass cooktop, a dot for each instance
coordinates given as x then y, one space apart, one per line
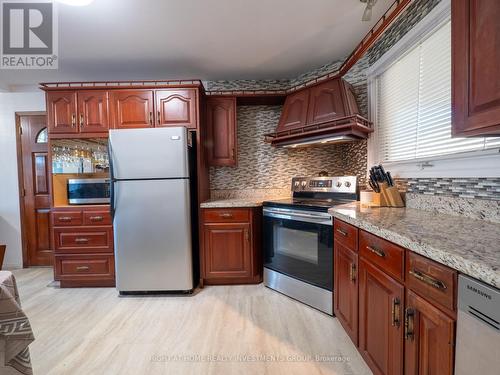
313 204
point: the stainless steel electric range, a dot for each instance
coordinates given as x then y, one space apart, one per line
298 239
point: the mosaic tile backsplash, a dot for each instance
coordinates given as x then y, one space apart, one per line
261 166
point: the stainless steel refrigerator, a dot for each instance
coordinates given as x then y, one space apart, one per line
151 207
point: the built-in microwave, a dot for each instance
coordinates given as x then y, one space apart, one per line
88 190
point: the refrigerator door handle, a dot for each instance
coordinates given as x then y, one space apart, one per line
112 208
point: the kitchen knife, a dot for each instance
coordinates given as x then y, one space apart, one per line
389 179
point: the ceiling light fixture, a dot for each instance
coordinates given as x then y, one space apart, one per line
76 3
367 14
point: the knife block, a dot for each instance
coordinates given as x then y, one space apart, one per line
389 196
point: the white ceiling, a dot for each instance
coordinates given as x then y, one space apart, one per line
206 39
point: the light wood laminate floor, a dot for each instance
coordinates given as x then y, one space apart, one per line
220 330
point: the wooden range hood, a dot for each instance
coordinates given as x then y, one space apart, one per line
320 114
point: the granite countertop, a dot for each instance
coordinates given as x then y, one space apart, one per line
233 202
467 245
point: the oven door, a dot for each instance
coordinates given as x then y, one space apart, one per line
299 244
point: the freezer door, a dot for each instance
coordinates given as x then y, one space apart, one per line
149 153
152 231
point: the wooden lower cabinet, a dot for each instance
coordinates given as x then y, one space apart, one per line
345 303
231 252
83 242
429 338
380 330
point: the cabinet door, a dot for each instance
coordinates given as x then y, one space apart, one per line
294 114
227 250
132 109
177 107
61 108
221 131
346 289
380 329
93 111
475 73
429 335
326 102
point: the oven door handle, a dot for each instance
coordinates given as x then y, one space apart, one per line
310 218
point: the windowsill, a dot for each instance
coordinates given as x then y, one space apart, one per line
470 164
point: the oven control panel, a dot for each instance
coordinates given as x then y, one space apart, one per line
336 184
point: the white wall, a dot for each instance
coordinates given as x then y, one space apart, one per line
10 224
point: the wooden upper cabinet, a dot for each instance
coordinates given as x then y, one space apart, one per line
345 302
326 102
430 337
132 109
177 107
294 114
221 131
380 326
475 72
93 111
62 112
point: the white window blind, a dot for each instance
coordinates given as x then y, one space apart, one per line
413 99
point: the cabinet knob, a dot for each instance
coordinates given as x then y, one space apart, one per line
81 119
151 118
352 272
73 120
159 115
395 312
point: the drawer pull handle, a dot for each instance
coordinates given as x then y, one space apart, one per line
73 120
96 218
65 218
352 272
344 233
82 268
375 251
150 118
395 312
81 240
409 323
427 279
226 215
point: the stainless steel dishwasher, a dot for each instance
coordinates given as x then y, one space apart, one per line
478 328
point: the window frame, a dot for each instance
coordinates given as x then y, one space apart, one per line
482 163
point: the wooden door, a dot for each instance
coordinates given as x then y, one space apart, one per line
346 289
475 30
227 250
326 102
221 131
93 111
294 114
380 328
62 112
132 109
35 192
176 107
430 336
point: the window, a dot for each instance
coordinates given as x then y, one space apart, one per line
410 103
42 136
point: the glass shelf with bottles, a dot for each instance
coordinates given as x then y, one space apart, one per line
80 156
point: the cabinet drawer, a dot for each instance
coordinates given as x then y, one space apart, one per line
96 218
83 239
386 255
346 234
67 218
84 266
433 281
224 215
